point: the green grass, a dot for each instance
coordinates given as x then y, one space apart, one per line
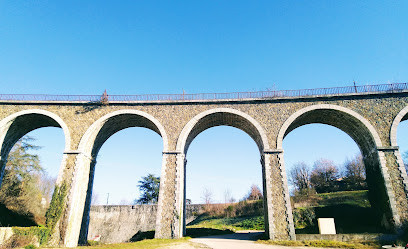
322 243
145 244
233 224
348 208
357 198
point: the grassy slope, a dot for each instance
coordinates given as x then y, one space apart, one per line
348 208
351 211
233 224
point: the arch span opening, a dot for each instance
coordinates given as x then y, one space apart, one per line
96 136
222 117
27 180
367 140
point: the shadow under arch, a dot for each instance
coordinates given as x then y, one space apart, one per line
89 146
212 118
368 141
15 126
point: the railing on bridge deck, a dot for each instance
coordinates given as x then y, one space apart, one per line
383 88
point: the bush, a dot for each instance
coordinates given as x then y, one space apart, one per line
39 234
255 223
17 241
304 217
30 246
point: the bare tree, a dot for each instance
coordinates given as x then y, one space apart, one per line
354 174
254 193
207 196
227 196
47 185
324 175
299 176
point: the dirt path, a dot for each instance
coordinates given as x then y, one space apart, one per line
239 240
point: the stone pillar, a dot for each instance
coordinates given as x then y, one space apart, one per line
278 212
170 211
76 198
395 180
83 235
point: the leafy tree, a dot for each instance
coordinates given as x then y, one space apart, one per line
149 187
354 175
254 193
324 175
299 176
20 190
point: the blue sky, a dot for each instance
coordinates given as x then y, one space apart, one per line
135 47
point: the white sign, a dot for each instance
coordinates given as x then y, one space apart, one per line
326 226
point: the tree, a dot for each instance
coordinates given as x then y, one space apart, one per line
20 190
254 193
228 196
354 175
207 196
324 175
299 176
149 187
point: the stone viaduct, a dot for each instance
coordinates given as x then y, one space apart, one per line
368 114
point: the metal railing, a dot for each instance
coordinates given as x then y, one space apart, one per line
105 98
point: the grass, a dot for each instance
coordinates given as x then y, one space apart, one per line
357 198
323 243
145 244
232 224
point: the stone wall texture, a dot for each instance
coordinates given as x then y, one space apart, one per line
117 224
367 118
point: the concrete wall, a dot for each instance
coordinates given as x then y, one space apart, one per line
120 223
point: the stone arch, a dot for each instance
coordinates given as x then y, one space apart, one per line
88 148
295 121
113 122
222 116
401 116
370 144
15 126
20 123
200 123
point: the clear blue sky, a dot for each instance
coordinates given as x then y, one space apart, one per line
135 47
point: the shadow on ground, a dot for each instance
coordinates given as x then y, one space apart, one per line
203 232
142 235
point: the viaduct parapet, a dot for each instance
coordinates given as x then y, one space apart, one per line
368 114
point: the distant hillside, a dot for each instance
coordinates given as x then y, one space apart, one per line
351 211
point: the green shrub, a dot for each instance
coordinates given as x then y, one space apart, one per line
30 246
93 243
40 234
57 205
304 217
255 223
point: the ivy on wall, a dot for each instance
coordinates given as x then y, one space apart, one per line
57 205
